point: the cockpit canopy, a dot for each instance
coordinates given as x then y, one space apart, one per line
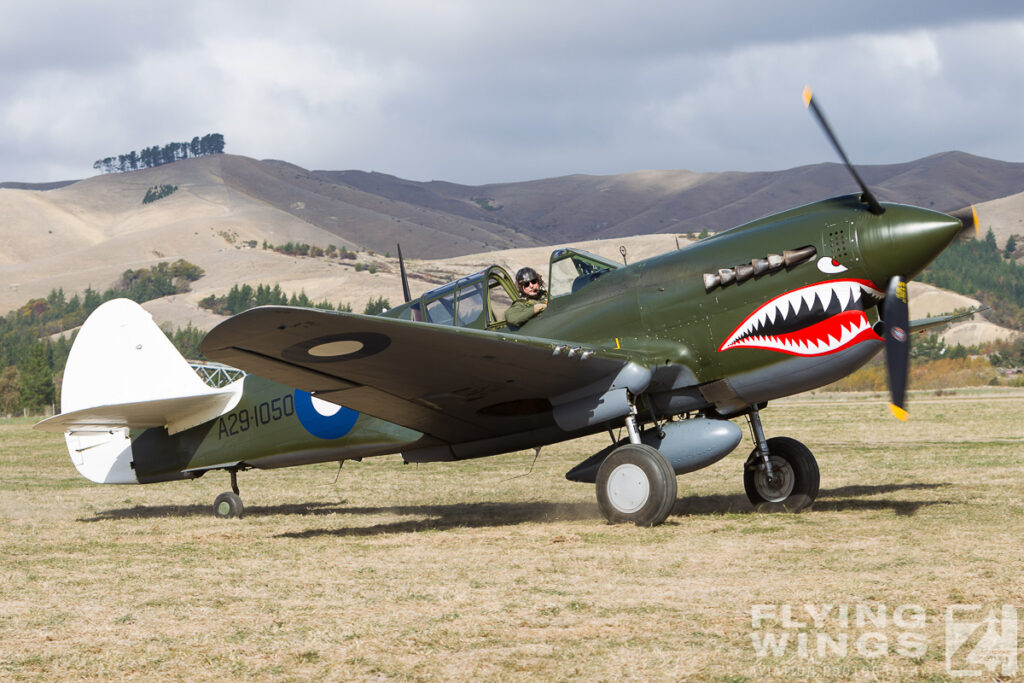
481 299
478 300
573 269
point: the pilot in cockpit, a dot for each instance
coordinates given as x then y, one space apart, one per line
532 298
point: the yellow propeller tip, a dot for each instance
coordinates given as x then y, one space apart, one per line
977 226
807 95
898 412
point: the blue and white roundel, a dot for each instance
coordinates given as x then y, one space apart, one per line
323 419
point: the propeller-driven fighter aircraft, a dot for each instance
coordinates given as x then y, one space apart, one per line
669 348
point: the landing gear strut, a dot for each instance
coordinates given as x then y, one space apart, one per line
779 470
229 503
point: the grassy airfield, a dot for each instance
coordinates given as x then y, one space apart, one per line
486 570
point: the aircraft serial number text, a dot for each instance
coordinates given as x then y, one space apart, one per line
243 420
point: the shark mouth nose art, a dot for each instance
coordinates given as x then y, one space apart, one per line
815 320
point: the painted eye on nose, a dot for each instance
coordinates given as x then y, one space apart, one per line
827 264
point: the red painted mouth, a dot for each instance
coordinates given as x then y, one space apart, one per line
815 320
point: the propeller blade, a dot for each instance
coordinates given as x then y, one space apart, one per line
867 197
969 217
896 315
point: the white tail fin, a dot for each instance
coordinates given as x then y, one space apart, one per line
121 356
124 373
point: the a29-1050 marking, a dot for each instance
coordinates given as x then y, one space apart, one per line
244 419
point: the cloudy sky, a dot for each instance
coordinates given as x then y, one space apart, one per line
478 91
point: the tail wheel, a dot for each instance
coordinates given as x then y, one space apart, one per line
795 477
636 484
228 504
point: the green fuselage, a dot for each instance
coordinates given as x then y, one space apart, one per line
661 313
272 426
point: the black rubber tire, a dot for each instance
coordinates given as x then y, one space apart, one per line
635 483
795 463
227 505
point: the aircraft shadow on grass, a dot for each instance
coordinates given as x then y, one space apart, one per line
852 498
839 499
480 515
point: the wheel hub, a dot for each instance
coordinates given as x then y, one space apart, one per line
779 486
628 488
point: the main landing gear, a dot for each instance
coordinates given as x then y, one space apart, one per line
636 483
229 503
779 470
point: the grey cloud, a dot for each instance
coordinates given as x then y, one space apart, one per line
483 92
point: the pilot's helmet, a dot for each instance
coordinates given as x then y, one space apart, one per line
527 275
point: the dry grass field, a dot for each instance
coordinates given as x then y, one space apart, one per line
486 570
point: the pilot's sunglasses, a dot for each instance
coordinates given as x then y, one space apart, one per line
531 282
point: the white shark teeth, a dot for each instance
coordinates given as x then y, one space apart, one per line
785 307
845 294
806 347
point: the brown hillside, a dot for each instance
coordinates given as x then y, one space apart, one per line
1005 217
585 207
87 233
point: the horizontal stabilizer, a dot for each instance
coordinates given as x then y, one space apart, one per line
177 413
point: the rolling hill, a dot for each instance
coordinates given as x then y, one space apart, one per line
86 233
587 207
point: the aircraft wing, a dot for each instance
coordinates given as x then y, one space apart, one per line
177 414
454 384
924 324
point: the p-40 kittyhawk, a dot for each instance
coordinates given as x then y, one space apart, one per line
669 350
